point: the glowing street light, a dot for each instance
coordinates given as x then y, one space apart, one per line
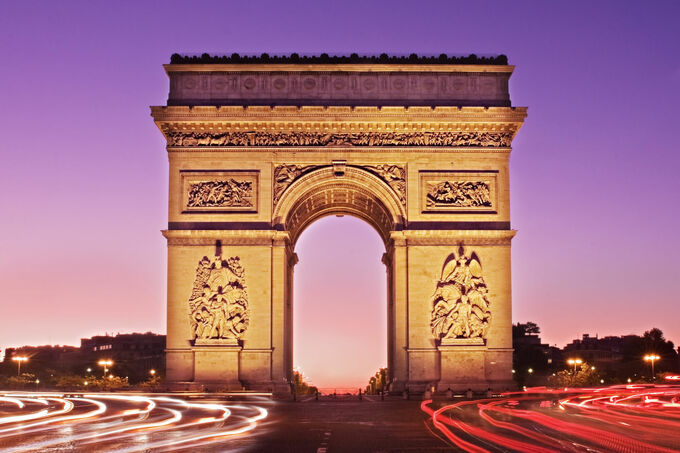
652 358
18 360
106 364
152 372
574 362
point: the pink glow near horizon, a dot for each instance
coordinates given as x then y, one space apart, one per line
83 174
340 309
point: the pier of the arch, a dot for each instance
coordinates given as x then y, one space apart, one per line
246 180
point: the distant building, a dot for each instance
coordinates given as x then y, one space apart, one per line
604 351
532 359
60 358
134 355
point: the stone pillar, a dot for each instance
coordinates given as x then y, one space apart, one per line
179 354
398 319
280 276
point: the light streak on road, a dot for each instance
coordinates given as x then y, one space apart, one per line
644 418
119 422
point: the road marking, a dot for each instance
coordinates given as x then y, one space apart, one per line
324 442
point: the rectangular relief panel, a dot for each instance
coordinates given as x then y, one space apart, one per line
459 191
218 191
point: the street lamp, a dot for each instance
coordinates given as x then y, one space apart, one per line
106 364
652 358
18 360
152 372
574 362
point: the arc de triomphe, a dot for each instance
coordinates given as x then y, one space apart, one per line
259 148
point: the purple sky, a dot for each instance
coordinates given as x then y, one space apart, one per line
83 195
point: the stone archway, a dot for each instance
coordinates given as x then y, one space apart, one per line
356 191
339 189
420 151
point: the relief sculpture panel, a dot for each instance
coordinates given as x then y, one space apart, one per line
218 306
394 176
459 191
218 191
460 304
284 175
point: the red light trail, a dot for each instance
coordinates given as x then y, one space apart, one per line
632 418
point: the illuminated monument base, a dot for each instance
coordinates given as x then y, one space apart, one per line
259 151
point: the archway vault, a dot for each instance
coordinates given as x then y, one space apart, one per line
259 150
351 191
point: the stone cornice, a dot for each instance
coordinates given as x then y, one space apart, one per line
316 114
227 237
346 67
452 237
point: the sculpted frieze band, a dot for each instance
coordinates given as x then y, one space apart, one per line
460 304
253 139
218 305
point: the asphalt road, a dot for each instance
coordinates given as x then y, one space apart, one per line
370 426
126 423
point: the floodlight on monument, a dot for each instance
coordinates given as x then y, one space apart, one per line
19 360
652 358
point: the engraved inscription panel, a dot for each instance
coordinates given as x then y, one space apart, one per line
459 191
219 191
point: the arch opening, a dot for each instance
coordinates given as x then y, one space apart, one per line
340 305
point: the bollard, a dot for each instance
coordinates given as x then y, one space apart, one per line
359 394
449 393
468 394
317 395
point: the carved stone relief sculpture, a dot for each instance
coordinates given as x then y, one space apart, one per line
284 175
460 304
224 193
394 176
295 138
218 306
459 194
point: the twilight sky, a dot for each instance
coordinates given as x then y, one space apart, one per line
83 170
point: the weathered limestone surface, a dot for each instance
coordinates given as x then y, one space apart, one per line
251 165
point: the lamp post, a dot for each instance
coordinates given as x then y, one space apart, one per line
18 360
652 358
574 362
106 364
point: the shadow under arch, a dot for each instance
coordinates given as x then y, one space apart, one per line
355 192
